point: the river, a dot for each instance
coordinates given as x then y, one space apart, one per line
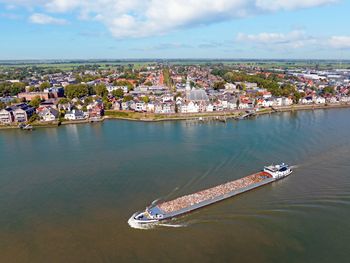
67 193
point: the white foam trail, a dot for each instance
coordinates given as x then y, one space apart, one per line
171 225
133 224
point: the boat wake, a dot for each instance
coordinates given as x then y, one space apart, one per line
133 224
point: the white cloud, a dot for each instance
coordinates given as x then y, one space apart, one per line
43 19
341 42
293 39
141 18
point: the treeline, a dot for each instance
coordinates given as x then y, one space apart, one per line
11 89
270 83
167 79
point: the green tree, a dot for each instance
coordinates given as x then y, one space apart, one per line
145 99
167 77
148 83
122 83
101 90
296 97
35 102
328 90
44 85
127 98
87 101
219 85
34 117
107 105
32 88
2 105
76 91
63 101
118 93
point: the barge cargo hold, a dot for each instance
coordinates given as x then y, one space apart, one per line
188 203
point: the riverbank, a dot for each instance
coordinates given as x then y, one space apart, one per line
151 117
204 116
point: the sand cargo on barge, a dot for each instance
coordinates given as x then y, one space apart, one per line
188 203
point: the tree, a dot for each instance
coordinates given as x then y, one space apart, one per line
11 89
76 90
35 102
34 117
296 97
148 83
118 93
167 78
127 98
87 101
145 99
219 85
107 105
63 101
101 90
31 89
44 85
2 105
328 90
123 83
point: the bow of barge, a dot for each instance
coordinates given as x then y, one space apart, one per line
188 203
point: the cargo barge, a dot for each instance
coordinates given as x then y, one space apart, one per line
185 204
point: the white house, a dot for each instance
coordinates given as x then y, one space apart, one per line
287 101
168 97
140 107
75 115
150 107
48 114
267 103
320 100
306 100
210 107
277 101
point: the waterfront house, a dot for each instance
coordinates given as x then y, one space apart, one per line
47 114
23 112
96 111
332 100
6 116
287 101
150 107
75 115
306 100
16 113
210 108
140 107
320 100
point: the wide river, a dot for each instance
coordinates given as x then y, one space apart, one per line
67 193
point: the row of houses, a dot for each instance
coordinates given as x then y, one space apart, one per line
16 114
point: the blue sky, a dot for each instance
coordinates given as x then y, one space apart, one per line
112 29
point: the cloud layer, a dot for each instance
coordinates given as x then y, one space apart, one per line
292 40
142 18
43 19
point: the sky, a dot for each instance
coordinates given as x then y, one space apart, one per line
133 29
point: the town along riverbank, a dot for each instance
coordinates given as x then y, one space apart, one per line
217 115
203 116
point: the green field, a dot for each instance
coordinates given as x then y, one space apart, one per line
266 64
